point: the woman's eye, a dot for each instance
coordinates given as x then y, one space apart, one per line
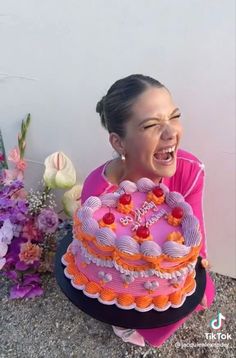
151 125
175 117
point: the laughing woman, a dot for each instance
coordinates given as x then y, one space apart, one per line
144 128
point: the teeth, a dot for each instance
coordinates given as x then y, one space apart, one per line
167 150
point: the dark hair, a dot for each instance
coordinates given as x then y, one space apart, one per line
115 108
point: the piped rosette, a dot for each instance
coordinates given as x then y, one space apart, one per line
105 239
92 204
157 195
127 247
175 250
145 185
191 232
173 198
128 186
151 251
109 200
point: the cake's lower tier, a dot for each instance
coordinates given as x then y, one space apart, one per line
128 298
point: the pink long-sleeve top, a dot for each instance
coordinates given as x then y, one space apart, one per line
187 180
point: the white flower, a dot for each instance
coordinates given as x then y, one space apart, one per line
71 199
59 171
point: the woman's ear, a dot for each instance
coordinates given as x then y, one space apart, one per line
117 143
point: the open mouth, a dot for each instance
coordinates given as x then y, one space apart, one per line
166 155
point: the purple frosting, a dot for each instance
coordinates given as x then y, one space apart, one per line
109 200
93 202
127 244
189 222
128 186
144 185
90 226
174 249
150 248
85 213
192 237
105 236
173 198
164 188
186 208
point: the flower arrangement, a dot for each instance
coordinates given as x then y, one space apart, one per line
30 227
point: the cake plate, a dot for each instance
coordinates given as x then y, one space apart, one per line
113 315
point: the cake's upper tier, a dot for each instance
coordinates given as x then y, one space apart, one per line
141 218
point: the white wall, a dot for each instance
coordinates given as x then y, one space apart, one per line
59 57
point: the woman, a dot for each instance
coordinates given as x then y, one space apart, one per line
144 128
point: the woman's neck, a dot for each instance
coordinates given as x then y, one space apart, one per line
118 171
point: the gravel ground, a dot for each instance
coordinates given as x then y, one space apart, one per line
51 326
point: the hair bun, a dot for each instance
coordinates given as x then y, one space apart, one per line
100 110
100 106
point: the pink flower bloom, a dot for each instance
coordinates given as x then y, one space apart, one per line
21 165
19 194
1 157
30 232
30 252
47 221
14 155
9 175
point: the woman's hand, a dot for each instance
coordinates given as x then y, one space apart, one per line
203 302
205 263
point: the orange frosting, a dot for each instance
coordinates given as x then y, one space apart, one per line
176 297
140 239
80 279
92 287
124 209
157 200
175 236
68 257
71 269
143 301
107 294
173 221
160 301
111 226
125 299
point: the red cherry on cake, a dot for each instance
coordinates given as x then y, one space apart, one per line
143 232
125 199
158 191
108 218
177 212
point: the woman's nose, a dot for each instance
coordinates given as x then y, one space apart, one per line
169 132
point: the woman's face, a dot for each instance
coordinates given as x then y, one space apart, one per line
153 127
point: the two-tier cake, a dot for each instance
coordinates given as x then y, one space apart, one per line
136 248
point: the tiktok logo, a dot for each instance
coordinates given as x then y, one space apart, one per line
217 322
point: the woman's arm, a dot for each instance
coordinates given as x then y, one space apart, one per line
195 199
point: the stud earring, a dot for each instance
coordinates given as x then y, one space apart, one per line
122 157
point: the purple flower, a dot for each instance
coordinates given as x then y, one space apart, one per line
6 235
26 291
47 221
2 262
6 232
